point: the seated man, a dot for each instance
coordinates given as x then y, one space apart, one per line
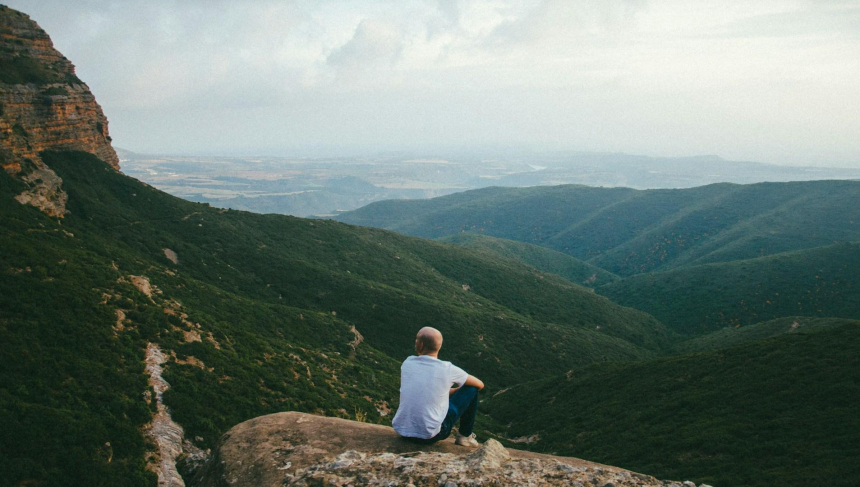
429 406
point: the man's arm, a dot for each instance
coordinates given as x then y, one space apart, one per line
470 381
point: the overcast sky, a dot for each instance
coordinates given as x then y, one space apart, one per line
770 81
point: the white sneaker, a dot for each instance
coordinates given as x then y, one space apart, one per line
466 440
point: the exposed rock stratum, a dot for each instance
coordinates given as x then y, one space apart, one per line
301 449
43 106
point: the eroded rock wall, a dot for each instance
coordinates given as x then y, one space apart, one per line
43 106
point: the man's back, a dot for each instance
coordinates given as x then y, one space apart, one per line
425 383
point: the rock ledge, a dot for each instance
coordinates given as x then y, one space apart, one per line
301 449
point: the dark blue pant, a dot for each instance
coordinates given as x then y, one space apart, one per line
462 405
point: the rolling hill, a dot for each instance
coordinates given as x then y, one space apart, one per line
731 337
818 282
541 258
780 411
629 232
255 313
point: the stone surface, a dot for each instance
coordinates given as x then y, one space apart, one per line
55 112
164 432
490 456
300 449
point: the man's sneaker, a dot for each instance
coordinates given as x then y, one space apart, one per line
467 440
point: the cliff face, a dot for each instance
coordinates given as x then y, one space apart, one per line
43 106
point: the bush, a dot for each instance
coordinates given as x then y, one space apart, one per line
21 70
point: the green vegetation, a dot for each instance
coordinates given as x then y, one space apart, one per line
55 90
19 130
753 380
261 313
541 258
731 337
531 215
819 282
761 279
629 232
21 70
782 411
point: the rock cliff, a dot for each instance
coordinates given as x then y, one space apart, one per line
301 449
43 106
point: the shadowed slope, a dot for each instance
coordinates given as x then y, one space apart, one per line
821 282
733 337
781 411
541 258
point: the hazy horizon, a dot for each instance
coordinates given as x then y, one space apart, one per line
771 82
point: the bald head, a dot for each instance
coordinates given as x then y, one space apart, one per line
428 341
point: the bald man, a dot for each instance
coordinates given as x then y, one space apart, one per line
434 394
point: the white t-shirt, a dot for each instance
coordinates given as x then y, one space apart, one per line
425 383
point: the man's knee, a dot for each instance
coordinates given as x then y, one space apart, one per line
470 391
466 395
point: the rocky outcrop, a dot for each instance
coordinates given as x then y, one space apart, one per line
43 106
164 432
301 449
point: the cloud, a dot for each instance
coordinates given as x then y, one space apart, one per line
833 19
373 43
772 80
557 20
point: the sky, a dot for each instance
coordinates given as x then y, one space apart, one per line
768 81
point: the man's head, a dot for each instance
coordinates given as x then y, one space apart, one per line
428 341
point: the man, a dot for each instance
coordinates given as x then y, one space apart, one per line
429 406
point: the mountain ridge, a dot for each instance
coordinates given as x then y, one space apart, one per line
626 231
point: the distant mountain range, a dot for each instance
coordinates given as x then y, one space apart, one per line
323 187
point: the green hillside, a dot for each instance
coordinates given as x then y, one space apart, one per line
531 215
541 258
264 313
819 282
628 232
782 411
732 337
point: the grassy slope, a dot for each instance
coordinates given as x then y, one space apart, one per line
277 295
541 258
71 392
732 337
628 232
530 215
818 282
386 284
781 411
